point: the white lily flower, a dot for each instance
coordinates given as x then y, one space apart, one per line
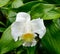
25 29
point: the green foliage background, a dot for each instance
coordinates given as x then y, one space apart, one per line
49 10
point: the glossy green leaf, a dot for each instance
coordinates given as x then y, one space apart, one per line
45 11
7 43
51 40
17 3
3 2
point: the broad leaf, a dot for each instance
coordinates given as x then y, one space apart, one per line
51 40
26 7
45 11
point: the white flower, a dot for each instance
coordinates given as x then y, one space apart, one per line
25 29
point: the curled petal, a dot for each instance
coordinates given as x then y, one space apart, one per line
28 44
33 43
38 27
17 29
22 16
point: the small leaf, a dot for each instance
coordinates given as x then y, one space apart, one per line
17 3
3 2
11 16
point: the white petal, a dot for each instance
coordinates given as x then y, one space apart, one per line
28 27
34 42
17 28
22 16
38 27
27 44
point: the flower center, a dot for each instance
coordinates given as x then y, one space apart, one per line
28 37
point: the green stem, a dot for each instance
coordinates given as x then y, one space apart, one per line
31 50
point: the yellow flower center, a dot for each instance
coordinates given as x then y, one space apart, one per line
28 37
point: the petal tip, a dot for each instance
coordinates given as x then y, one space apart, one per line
22 16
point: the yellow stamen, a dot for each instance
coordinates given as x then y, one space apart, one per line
28 37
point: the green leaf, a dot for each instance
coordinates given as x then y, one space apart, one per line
53 1
20 50
51 40
17 3
57 1
45 11
26 7
7 43
11 16
2 29
3 2
1 23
